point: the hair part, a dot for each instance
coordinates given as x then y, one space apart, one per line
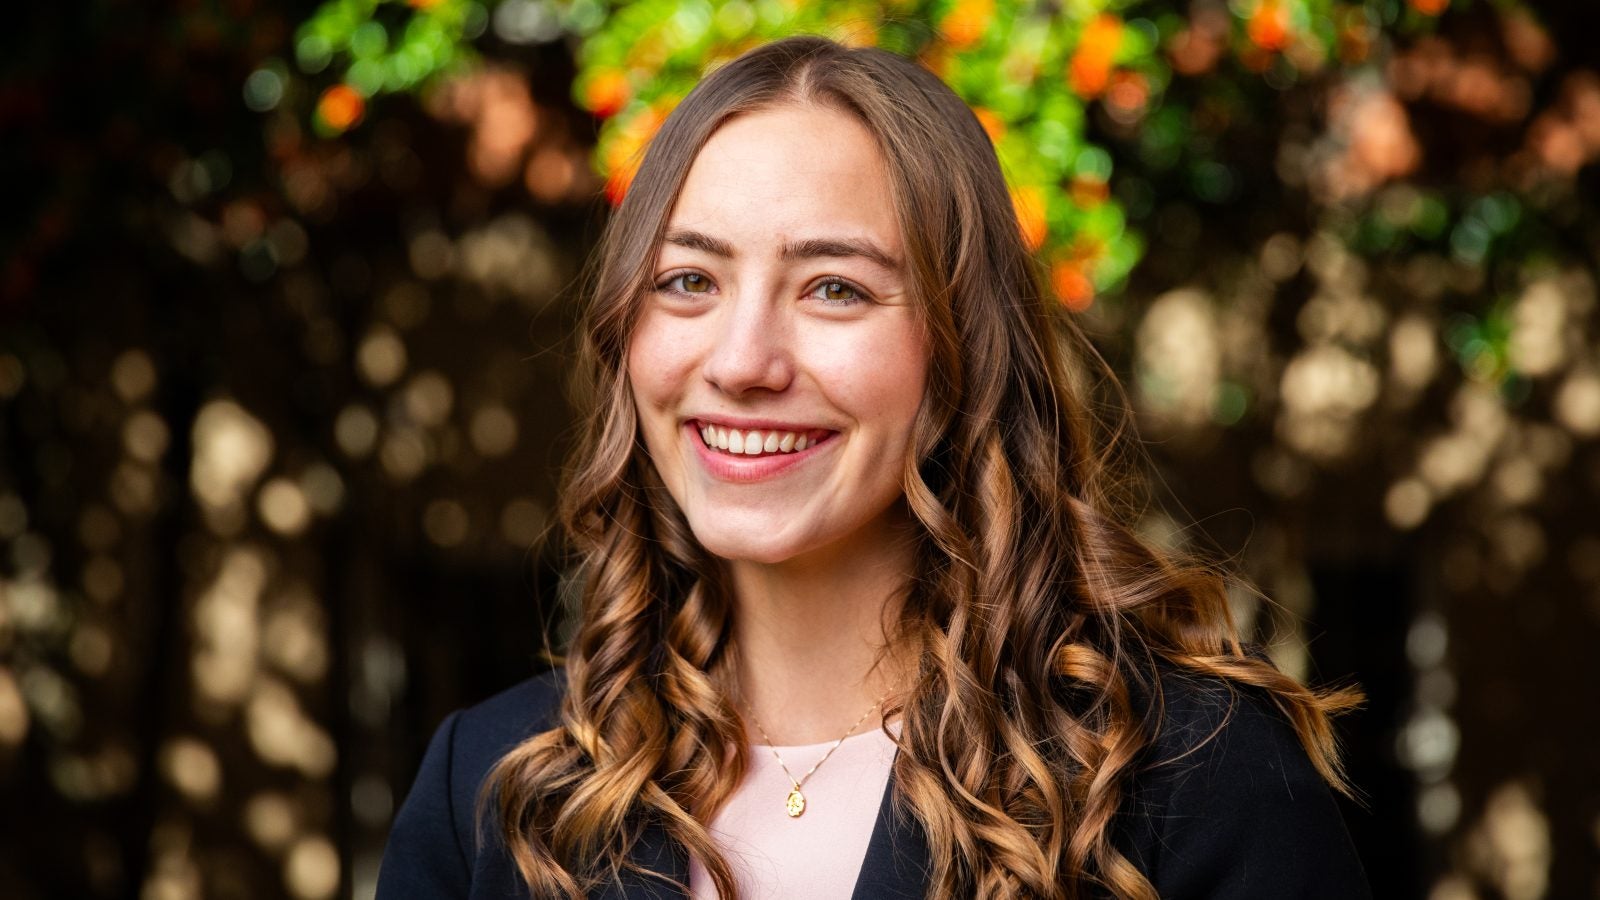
1039 621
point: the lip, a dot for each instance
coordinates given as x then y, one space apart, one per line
744 424
744 470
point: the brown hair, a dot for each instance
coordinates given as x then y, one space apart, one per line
1038 617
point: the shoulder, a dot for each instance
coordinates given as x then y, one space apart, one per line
1225 800
1208 728
484 732
433 843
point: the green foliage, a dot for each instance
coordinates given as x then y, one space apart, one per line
1032 71
1028 72
1038 75
388 45
378 47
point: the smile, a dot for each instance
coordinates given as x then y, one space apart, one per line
746 455
758 442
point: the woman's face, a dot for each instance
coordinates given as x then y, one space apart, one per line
778 364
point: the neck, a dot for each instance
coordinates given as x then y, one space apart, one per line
813 635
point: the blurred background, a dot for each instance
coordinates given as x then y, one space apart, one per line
286 300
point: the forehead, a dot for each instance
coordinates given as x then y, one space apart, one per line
789 172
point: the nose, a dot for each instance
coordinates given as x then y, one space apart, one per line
751 350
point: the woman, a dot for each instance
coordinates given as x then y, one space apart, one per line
843 461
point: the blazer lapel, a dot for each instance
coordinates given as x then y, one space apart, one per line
897 861
655 851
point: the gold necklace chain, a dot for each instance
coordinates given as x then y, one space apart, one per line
795 803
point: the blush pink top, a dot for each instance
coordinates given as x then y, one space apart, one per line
818 855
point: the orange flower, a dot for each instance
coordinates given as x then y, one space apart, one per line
625 151
1088 193
606 93
423 4
936 59
1194 51
1072 287
1090 68
1268 27
1430 7
340 107
1028 201
991 123
618 182
967 22
1128 92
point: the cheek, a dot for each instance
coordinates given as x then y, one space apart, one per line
657 362
877 377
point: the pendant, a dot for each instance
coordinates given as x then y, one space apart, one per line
795 804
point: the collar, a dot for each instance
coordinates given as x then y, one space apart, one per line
895 867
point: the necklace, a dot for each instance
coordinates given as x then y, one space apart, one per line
795 803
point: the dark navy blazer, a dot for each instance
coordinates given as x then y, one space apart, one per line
1243 816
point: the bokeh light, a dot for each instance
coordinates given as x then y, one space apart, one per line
284 384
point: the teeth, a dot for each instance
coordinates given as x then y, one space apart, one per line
752 443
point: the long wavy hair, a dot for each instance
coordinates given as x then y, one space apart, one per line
1038 618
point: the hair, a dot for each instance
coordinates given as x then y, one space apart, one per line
1040 621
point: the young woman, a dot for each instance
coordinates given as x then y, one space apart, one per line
862 614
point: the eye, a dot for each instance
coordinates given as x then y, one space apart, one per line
693 283
838 292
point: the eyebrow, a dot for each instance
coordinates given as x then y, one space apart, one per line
810 248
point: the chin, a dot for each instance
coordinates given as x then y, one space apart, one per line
735 544
764 552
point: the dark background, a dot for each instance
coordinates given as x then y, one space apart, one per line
282 412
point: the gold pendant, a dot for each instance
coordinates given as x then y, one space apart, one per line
795 804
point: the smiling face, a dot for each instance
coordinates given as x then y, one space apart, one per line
778 364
